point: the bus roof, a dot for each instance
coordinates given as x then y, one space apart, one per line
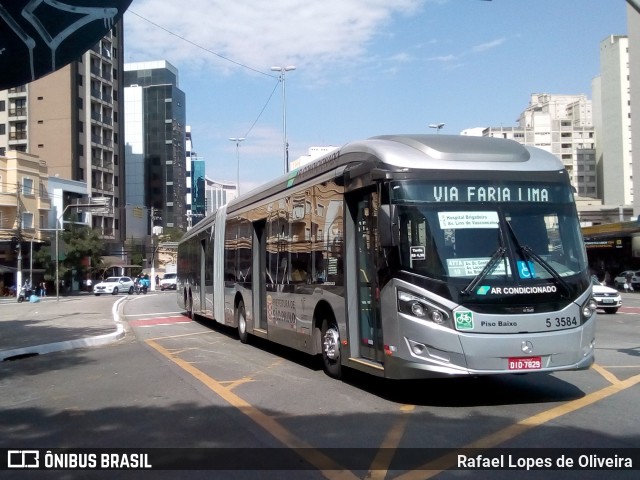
415 151
401 152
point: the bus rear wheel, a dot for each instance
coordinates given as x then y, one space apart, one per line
241 318
331 349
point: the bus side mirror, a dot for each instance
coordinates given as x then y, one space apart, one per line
388 227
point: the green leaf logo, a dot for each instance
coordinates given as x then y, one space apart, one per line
483 290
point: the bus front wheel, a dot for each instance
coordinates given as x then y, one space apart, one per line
241 317
331 349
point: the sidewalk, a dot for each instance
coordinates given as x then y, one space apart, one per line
50 325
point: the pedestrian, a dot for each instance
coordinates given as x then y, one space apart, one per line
43 289
157 280
89 285
628 285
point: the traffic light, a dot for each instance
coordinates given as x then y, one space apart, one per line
14 244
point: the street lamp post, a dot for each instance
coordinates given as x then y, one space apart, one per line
31 258
153 264
238 140
282 71
60 226
156 230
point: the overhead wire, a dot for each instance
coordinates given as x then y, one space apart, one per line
262 111
190 42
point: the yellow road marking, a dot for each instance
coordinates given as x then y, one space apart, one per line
380 465
610 377
326 465
445 462
233 384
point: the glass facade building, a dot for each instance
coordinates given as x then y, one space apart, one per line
155 120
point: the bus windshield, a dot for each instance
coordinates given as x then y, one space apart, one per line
514 232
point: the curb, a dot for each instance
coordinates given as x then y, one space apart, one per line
95 341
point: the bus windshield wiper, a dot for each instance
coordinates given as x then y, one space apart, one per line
527 251
495 258
552 271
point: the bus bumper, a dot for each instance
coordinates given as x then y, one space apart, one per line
464 354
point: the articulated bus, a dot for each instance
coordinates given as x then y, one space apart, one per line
404 256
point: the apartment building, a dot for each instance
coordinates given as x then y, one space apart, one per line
72 118
24 207
612 105
562 125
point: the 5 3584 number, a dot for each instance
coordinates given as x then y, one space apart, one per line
562 322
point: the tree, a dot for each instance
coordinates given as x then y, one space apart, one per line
81 242
171 234
78 242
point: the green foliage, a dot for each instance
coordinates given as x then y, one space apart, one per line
171 234
76 243
81 242
46 258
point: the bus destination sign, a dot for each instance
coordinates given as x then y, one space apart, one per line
480 191
488 193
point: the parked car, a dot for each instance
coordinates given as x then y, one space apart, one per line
168 282
621 278
114 285
607 298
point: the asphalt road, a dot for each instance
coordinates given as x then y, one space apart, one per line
177 383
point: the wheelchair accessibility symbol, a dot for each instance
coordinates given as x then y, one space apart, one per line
526 270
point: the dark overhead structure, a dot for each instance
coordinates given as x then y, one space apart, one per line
38 37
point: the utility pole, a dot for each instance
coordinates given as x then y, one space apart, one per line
19 231
152 213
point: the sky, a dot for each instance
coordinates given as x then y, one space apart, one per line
363 68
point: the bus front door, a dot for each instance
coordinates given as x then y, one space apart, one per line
369 325
258 287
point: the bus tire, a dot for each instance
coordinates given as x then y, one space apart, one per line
331 349
241 318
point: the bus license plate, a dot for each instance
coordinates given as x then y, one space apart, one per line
528 363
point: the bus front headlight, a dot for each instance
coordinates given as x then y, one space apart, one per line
588 309
419 307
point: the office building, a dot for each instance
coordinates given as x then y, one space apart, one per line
218 194
156 175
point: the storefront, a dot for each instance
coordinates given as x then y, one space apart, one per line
612 248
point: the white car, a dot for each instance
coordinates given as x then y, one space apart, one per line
607 298
114 285
621 279
168 282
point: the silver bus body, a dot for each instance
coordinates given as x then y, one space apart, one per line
406 256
